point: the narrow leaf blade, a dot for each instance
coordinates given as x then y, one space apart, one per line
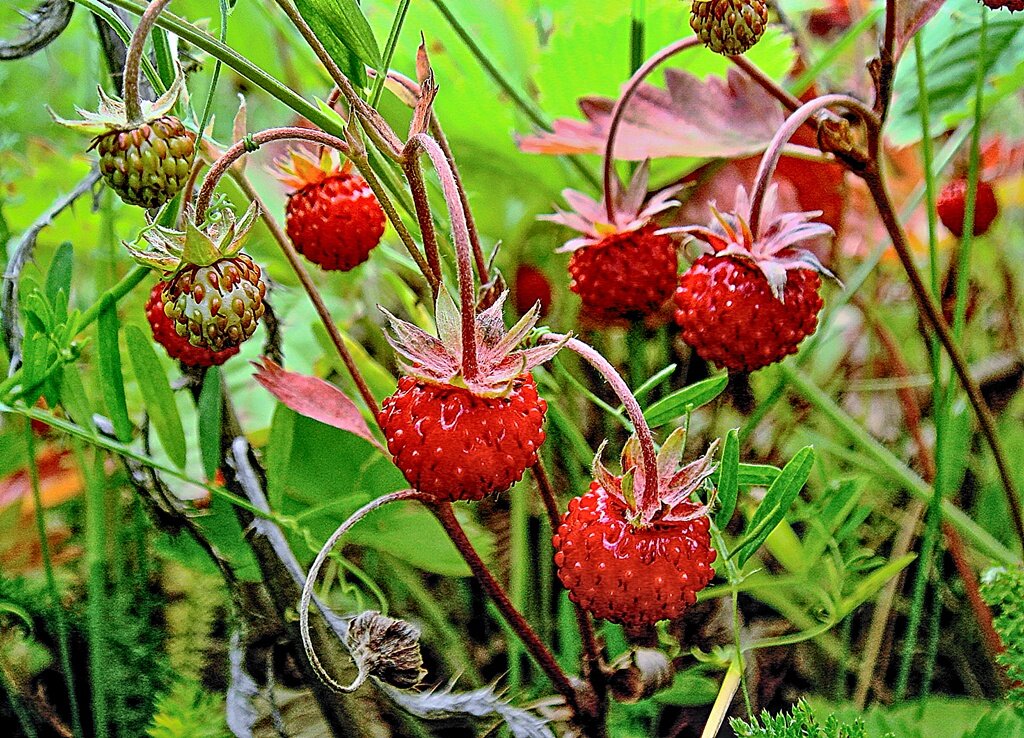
686 400
776 503
729 479
111 377
157 394
209 419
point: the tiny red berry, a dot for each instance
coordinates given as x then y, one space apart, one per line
952 206
332 217
749 301
1011 5
621 267
176 346
532 286
458 434
632 559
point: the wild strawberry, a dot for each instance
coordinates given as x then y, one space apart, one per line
177 347
748 302
621 267
532 286
633 565
460 437
145 162
951 206
332 217
214 293
830 20
729 27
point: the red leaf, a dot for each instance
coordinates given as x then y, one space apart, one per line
714 118
911 15
314 398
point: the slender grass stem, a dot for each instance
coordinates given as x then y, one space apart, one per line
389 51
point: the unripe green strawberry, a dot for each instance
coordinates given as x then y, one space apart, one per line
149 164
145 159
217 306
729 27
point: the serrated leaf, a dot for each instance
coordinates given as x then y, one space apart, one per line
157 394
685 400
728 479
776 504
111 378
342 28
209 411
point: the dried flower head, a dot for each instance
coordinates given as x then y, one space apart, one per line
386 649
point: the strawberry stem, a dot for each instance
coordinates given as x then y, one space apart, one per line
649 495
771 156
133 61
463 248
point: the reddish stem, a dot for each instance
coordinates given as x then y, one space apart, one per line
460 235
133 61
649 497
249 144
770 159
620 107
445 514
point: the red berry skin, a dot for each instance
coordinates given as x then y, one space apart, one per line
1011 5
532 286
729 315
628 275
335 223
951 206
454 445
178 347
627 574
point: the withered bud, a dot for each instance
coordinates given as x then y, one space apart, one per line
387 649
640 674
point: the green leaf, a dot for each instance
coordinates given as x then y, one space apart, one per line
686 400
776 503
870 585
728 480
111 379
750 475
156 392
342 28
73 397
209 419
59 276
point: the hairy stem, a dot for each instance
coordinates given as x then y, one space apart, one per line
463 248
445 514
649 498
133 62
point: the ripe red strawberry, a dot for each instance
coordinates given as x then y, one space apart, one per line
635 567
830 20
951 206
532 286
459 437
332 217
621 267
748 302
177 347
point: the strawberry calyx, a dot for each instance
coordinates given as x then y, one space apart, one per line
220 236
439 359
300 168
632 210
675 483
774 251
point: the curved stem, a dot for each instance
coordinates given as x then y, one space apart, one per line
460 236
313 293
314 570
620 107
788 100
133 61
649 494
770 159
445 514
249 144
